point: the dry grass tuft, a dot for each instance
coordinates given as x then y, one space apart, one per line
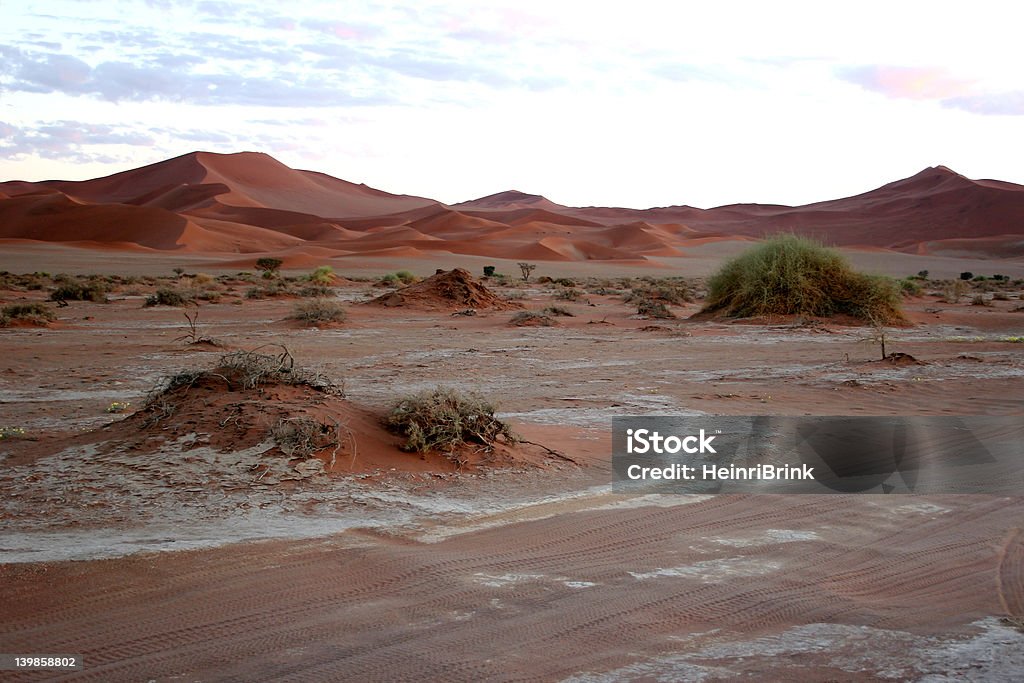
445 419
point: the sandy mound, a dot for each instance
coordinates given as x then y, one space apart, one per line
452 289
286 423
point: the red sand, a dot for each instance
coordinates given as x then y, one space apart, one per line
251 203
135 546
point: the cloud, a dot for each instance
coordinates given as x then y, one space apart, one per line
54 72
68 140
937 84
680 72
343 29
992 104
908 82
168 78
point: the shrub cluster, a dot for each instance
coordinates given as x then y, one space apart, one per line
79 290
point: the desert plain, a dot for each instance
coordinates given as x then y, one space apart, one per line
175 541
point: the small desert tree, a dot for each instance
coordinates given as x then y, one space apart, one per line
527 269
269 265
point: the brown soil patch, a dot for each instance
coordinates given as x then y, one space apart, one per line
453 289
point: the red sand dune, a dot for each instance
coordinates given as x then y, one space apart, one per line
252 203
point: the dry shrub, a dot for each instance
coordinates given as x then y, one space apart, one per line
242 370
444 419
167 296
302 437
319 311
568 294
531 319
954 291
670 291
790 275
654 309
558 311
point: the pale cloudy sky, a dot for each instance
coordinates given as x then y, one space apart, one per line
640 103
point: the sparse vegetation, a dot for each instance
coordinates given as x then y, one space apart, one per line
317 311
32 314
792 275
119 407
167 296
531 318
313 292
669 291
954 291
11 433
980 300
558 311
241 370
909 287
966 275
568 294
269 266
323 275
527 269
445 419
269 290
879 335
654 309
193 336
406 277
302 437
77 290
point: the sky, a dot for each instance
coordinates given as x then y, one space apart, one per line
636 104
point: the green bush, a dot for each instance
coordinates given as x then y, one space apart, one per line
909 287
444 419
34 313
77 290
324 275
790 275
406 277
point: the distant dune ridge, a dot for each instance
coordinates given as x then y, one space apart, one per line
251 203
